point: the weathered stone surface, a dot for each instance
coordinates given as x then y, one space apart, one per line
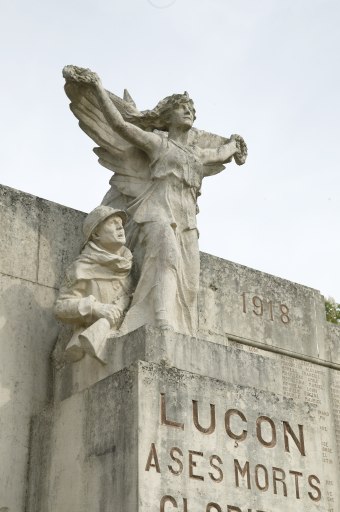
292 318
333 341
60 239
238 360
20 229
182 443
28 333
38 239
93 461
256 430
231 361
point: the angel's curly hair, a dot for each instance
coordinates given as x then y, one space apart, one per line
158 117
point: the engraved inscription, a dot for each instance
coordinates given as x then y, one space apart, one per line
335 394
302 381
265 308
197 463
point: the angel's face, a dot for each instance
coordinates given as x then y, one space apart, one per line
181 116
110 234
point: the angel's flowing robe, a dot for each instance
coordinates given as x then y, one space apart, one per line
167 247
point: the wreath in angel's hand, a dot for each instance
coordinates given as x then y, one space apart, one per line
241 155
82 75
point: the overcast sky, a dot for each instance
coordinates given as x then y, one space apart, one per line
266 69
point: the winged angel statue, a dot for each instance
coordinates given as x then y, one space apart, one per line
159 161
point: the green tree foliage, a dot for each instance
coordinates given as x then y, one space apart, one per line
332 311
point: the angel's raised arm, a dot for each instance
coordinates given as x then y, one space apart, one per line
147 141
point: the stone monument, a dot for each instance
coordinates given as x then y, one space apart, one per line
205 387
159 163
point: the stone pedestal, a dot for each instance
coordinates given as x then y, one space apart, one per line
178 423
243 418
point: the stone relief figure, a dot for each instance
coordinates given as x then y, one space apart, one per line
159 161
96 291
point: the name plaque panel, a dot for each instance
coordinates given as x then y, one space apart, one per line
209 445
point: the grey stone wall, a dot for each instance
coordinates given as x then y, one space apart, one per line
258 334
38 238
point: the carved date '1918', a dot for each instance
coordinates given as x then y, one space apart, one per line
260 307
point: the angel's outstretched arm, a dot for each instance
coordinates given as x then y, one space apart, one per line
147 141
235 147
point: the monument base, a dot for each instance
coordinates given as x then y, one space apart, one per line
259 334
183 424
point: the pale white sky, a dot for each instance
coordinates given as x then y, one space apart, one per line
267 69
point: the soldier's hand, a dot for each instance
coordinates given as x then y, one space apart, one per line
109 311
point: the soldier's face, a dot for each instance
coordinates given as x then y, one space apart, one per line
110 233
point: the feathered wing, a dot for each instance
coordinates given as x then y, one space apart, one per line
130 164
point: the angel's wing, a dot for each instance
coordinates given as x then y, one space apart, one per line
130 164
